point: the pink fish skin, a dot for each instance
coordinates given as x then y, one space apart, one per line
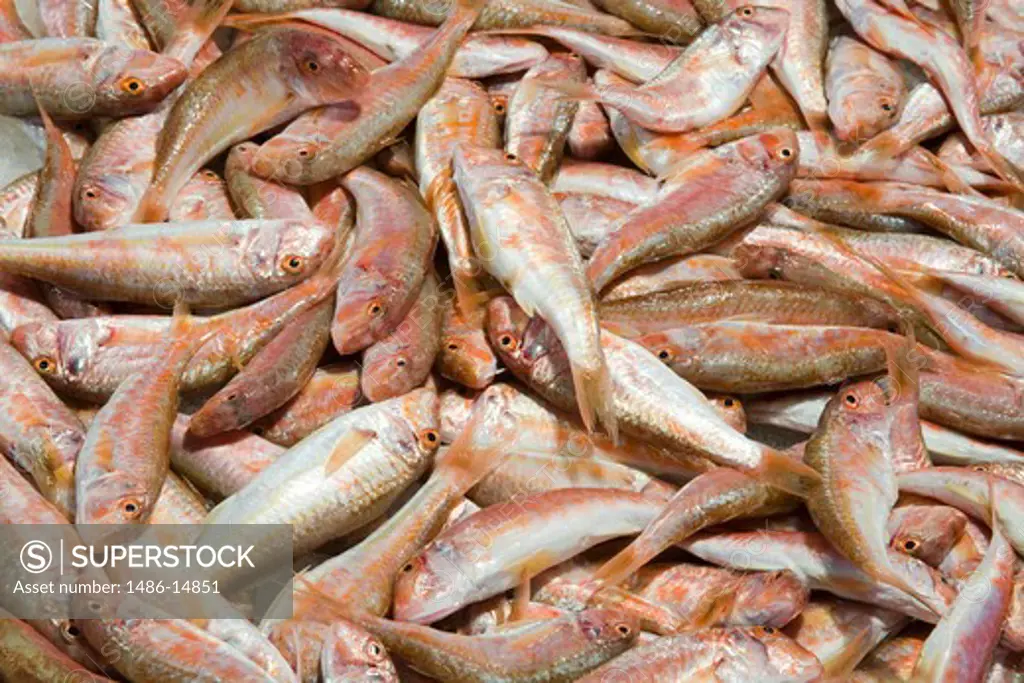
700 205
401 361
80 78
275 374
394 241
278 73
204 197
37 431
865 90
331 391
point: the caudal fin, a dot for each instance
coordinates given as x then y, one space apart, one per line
480 447
196 24
623 565
595 396
153 208
787 473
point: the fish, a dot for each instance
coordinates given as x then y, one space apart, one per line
352 654
538 120
925 530
298 71
479 55
344 475
591 218
752 357
976 618
604 180
865 91
460 111
79 78
16 203
750 301
465 356
238 261
674 21
402 361
515 225
455 569
590 136
177 503
394 241
516 14
730 654
670 274
28 656
685 218
650 401
712 498
332 390
116 23
692 91
275 374
841 633
819 565
38 432
374 115
125 456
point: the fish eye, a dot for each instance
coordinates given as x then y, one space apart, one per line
785 153
132 508
70 631
401 362
887 106
304 153
770 630
664 354
90 194
429 439
851 400
207 173
623 629
499 107
775 274
292 264
375 309
311 65
508 342
910 545
374 650
509 156
44 365
747 11
452 346
728 403
132 85
407 568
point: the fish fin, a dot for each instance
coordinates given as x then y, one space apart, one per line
715 612
786 473
595 397
346 448
194 26
884 146
891 576
521 599
900 364
949 175
900 9
1001 166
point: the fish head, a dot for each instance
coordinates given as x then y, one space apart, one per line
608 630
105 201
755 33
926 531
675 348
732 411
431 585
863 113
294 154
858 404
787 656
761 261
289 251
352 654
113 498
220 413
317 67
134 81
420 411
363 312
769 599
773 152
456 411
466 356
476 165
506 327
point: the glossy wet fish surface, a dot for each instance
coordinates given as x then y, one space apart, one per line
572 340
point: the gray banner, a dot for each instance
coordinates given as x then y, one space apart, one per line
186 571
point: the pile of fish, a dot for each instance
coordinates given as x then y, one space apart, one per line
717 374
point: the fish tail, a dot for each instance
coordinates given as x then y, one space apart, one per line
250 21
952 179
466 462
623 565
153 208
195 25
891 576
1001 166
787 473
571 89
594 396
